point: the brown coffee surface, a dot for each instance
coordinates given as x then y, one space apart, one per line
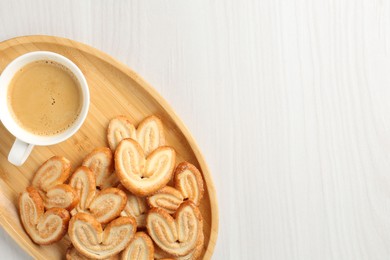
44 97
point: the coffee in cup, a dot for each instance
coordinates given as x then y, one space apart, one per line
44 100
44 97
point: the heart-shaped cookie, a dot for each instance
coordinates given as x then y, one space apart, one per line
118 129
136 207
194 254
168 198
140 247
189 181
177 236
89 238
83 181
188 186
44 228
159 254
100 162
104 205
143 176
49 181
73 254
107 204
61 196
149 134
54 171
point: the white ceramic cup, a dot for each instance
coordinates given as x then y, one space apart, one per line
25 141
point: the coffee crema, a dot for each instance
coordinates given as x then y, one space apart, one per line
44 97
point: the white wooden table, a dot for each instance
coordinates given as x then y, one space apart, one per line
289 101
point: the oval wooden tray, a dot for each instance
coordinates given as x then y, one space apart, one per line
115 89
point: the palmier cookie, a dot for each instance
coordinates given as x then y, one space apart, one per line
149 134
44 228
100 162
49 181
167 198
143 176
140 247
188 186
83 181
135 207
118 129
177 236
107 204
159 254
61 196
104 205
54 171
89 238
73 254
194 254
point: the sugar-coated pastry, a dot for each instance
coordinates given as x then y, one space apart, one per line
89 238
104 205
178 235
107 204
73 254
135 207
189 181
116 190
83 181
141 248
49 181
100 162
61 196
194 254
54 171
143 176
150 134
44 228
188 186
168 198
159 254
118 129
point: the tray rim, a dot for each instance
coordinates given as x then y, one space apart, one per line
148 88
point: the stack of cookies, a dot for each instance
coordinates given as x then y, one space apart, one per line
118 204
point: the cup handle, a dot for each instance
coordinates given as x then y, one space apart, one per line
19 152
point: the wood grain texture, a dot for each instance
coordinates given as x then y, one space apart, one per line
115 90
288 100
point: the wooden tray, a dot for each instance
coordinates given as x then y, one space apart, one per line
115 89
